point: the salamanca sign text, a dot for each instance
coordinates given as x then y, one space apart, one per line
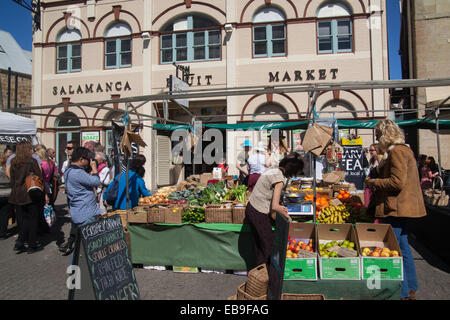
91 88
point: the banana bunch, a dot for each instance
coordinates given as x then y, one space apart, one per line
334 214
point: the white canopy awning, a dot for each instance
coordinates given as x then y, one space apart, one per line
13 124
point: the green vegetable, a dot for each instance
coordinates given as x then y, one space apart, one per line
194 215
238 193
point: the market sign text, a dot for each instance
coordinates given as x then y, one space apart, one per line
308 75
91 88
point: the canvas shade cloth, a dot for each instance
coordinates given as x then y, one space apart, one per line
342 124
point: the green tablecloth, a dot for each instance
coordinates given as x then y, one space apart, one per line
212 246
345 289
230 247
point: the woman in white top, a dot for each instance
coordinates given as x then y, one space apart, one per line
265 201
105 178
257 164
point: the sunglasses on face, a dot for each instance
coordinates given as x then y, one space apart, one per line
69 148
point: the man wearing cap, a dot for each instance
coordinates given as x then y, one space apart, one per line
242 164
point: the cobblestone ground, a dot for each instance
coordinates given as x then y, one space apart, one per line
42 275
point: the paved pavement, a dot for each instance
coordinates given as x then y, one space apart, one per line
42 275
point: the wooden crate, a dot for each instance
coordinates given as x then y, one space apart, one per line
138 215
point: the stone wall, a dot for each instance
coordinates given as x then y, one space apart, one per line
23 93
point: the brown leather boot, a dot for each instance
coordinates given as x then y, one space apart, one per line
412 294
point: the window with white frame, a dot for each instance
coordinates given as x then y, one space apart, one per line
269 33
68 51
334 28
118 46
191 38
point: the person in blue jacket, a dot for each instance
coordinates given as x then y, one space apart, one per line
136 184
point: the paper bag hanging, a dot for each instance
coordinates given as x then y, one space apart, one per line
128 138
317 138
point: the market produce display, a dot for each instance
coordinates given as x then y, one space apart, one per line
328 250
295 246
321 201
186 196
334 214
379 252
152 200
194 215
238 193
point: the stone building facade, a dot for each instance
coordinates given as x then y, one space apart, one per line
97 50
425 47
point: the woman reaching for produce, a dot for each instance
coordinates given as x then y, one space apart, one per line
265 201
398 196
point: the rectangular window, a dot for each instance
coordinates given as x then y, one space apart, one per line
214 44
269 41
68 58
260 41
191 46
166 48
117 53
334 36
278 40
344 35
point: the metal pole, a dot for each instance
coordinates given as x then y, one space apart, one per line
16 84
128 160
438 142
9 88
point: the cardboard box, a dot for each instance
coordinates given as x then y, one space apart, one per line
204 178
302 268
372 235
338 268
317 138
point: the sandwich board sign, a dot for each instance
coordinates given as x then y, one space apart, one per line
101 254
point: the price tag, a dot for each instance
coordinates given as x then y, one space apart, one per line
306 254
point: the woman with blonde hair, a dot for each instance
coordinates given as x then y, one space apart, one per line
276 150
398 196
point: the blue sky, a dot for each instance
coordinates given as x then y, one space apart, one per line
17 21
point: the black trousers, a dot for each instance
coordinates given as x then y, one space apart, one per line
261 226
4 216
28 216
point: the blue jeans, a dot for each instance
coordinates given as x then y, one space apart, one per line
399 225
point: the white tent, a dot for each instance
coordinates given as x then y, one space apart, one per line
14 128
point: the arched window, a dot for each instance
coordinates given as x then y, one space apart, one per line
270 112
269 33
68 51
340 106
118 46
191 38
334 28
67 119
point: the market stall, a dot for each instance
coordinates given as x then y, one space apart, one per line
14 129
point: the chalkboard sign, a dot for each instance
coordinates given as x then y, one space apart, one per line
352 159
105 266
278 257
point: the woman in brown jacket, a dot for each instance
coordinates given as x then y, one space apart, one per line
398 196
27 206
